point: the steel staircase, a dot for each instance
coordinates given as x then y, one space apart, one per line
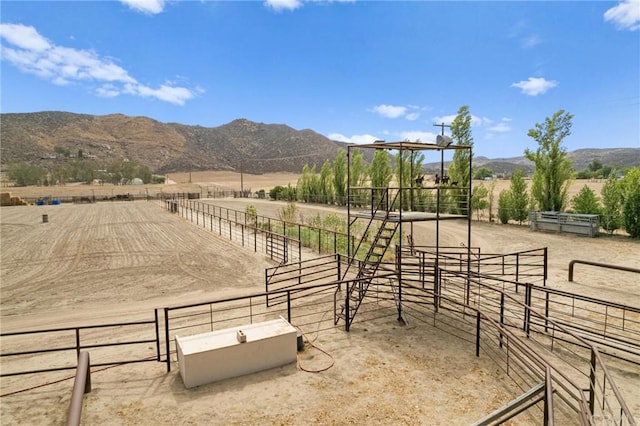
357 288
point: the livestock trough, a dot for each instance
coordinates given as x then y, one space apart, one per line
585 224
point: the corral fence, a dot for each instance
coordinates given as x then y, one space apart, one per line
104 341
281 240
535 334
576 388
94 198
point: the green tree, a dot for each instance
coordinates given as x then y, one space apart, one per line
357 177
631 202
595 165
553 169
410 163
492 188
380 173
504 206
24 174
459 167
59 175
519 198
65 152
308 185
611 216
340 177
326 183
482 173
586 201
479 199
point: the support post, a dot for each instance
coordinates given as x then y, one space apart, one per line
592 382
81 385
478 333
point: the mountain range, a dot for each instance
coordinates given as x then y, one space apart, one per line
242 144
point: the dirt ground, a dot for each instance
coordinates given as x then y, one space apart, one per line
106 262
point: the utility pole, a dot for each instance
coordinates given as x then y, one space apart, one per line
442 125
241 178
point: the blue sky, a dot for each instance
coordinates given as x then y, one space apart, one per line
350 70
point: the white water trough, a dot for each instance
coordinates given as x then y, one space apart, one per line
222 354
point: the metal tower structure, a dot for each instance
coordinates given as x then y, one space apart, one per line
381 216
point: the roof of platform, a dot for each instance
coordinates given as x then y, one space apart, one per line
406 145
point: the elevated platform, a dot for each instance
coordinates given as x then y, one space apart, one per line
406 216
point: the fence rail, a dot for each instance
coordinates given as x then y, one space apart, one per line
52 341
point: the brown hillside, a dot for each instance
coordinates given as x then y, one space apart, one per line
163 147
241 144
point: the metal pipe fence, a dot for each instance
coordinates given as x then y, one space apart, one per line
39 346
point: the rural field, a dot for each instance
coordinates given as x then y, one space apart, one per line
203 181
118 261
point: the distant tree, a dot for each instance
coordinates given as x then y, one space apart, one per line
519 198
157 179
308 184
479 199
459 168
605 171
24 174
411 165
80 154
595 165
584 174
340 177
60 175
553 168
380 173
482 173
144 173
586 201
611 216
357 177
492 188
326 183
274 193
504 206
631 202
65 152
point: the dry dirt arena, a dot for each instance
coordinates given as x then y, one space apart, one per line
113 262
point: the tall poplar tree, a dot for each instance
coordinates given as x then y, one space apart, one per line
340 177
553 169
459 168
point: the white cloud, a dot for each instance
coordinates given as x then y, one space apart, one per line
24 37
530 41
414 135
501 127
448 119
151 7
390 111
397 111
535 86
357 139
279 5
625 16
107 91
33 54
